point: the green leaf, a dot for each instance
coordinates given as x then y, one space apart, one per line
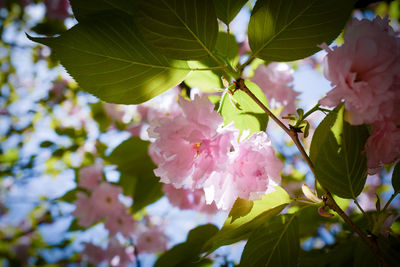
70 196
250 116
180 29
309 221
88 8
286 30
108 58
46 144
240 208
275 243
337 153
137 177
228 9
363 255
187 253
210 80
341 254
396 178
236 229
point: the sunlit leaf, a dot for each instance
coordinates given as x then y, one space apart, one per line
236 229
286 30
208 81
275 243
337 153
108 58
181 29
250 116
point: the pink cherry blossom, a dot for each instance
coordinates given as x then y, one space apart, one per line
84 211
187 199
164 105
90 176
57 9
93 254
252 169
105 200
365 71
119 255
189 147
122 223
151 240
275 80
382 146
114 111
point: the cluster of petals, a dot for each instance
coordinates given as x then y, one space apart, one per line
151 239
102 203
188 199
365 73
275 80
164 105
115 254
195 151
252 169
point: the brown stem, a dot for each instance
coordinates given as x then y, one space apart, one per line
328 199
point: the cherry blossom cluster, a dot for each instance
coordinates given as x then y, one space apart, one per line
365 73
194 151
275 80
148 239
102 203
187 199
115 254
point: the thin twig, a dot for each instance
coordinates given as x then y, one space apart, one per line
328 199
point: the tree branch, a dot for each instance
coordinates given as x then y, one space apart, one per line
327 197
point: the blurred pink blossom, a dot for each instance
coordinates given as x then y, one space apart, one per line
57 9
90 176
114 111
115 254
187 199
122 223
105 200
275 80
119 255
84 211
151 240
93 254
365 71
383 146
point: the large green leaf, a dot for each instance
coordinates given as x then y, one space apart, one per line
108 58
243 111
208 81
87 8
285 30
396 178
238 228
187 253
137 177
341 254
181 29
275 243
337 154
228 9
